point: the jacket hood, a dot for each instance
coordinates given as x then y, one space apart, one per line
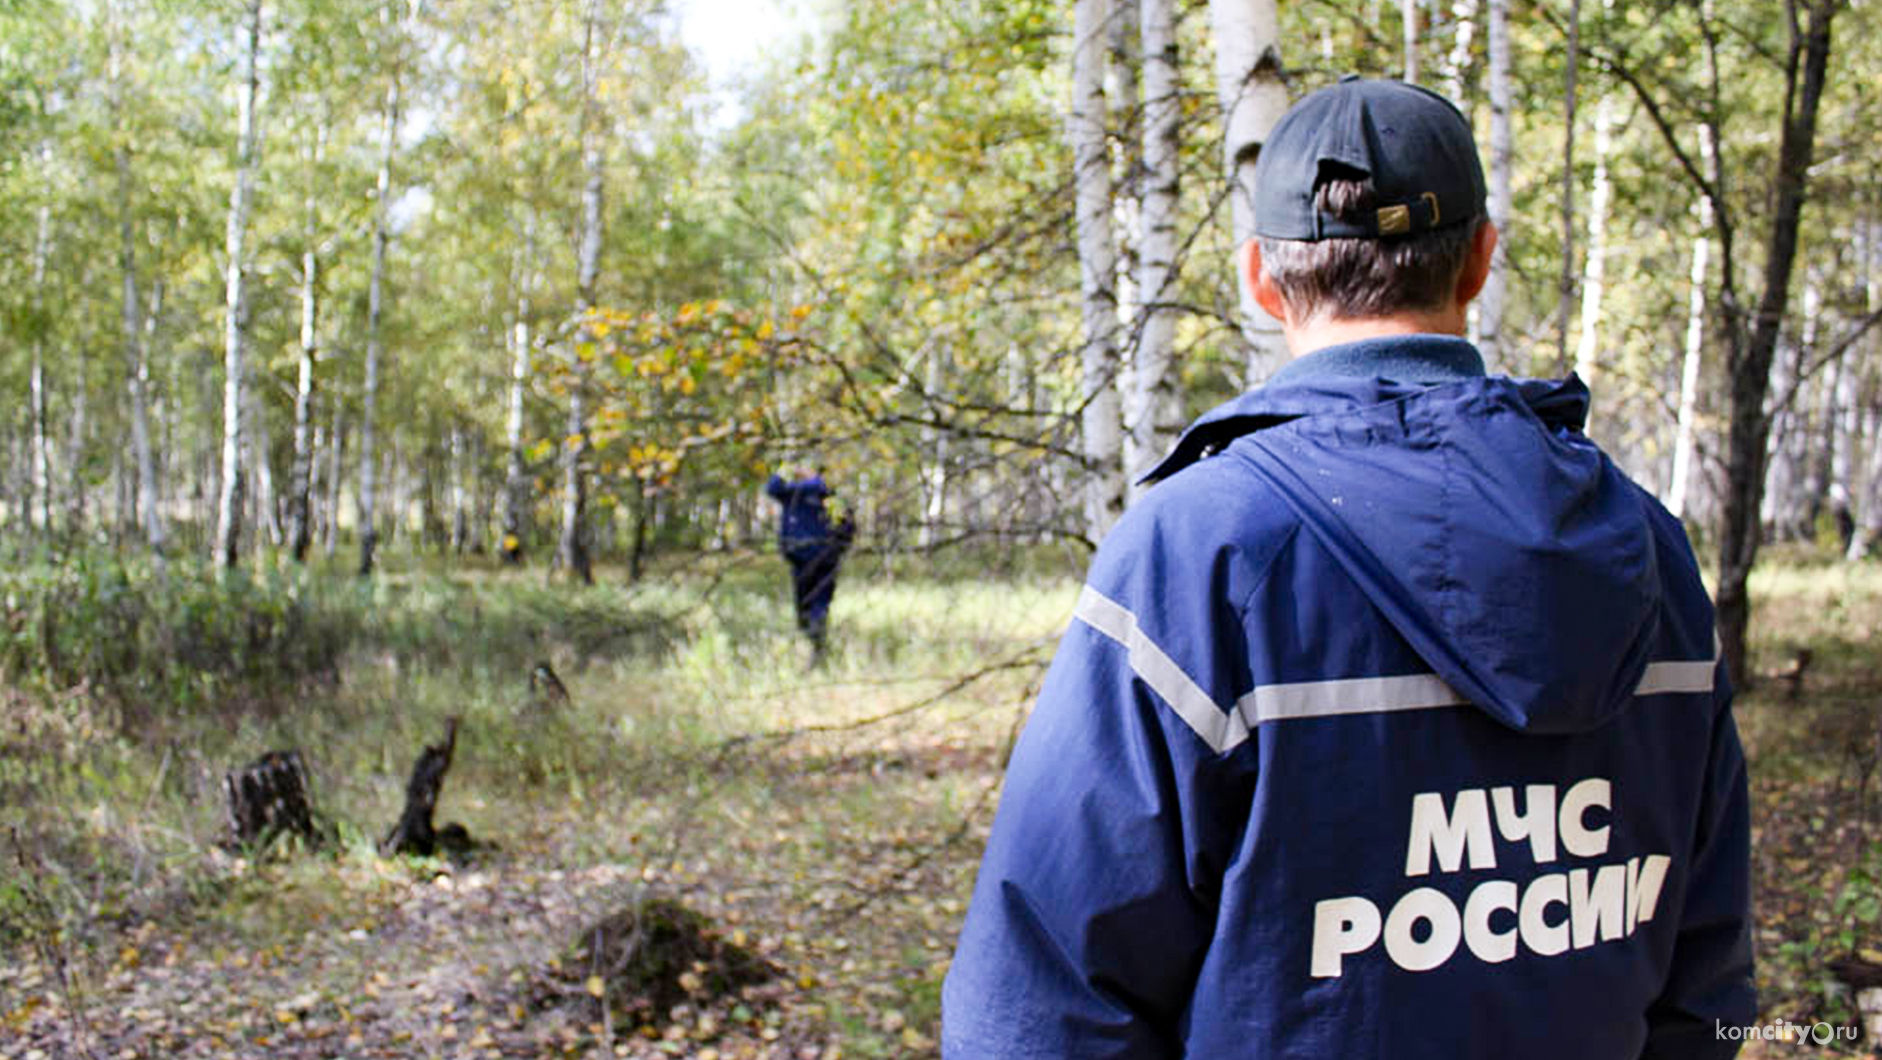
1500 542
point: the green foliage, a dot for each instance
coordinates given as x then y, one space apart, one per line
146 640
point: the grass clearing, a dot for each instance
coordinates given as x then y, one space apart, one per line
829 820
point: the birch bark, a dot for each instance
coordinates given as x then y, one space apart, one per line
375 296
1101 419
301 474
136 356
1252 98
573 551
1150 406
1491 304
515 481
1681 485
235 292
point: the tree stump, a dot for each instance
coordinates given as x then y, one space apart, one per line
268 798
414 833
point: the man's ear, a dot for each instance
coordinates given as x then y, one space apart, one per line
1256 280
1477 264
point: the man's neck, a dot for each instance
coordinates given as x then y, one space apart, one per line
1333 331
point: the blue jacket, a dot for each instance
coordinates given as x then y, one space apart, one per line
1389 724
803 524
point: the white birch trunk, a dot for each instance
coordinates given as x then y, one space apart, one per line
1787 463
460 496
1457 64
515 481
573 551
1679 489
1492 303
1252 98
136 363
261 460
1101 420
301 475
41 500
1841 424
1408 22
336 448
1594 269
937 465
1121 93
375 307
78 423
1150 405
235 301
1867 491
149 482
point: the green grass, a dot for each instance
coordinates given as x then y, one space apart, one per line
832 816
834 813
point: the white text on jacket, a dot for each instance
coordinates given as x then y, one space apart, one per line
1548 914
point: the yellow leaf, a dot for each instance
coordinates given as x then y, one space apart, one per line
596 986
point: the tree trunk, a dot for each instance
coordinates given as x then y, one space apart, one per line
1457 65
1784 512
516 481
1866 485
1408 23
1594 269
1831 485
1565 302
1151 410
336 448
78 429
136 356
460 495
301 475
1868 528
40 501
261 459
1127 120
1751 354
375 307
1495 297
235 332
1100 423
1681 485
573 551
1252 97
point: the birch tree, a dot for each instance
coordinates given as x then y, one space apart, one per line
398 42
1495 297
573 550
1253 98
235 278
516 476
1150 405
1681 484
136 353
1085 127
301 474
1594 266
40 501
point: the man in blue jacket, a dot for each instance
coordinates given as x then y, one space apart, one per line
811 545
1390 723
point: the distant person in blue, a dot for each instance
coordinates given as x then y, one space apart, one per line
812 545
1390 723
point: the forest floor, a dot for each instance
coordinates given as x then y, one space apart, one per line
824 823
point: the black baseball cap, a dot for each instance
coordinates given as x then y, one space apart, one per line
1414 144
